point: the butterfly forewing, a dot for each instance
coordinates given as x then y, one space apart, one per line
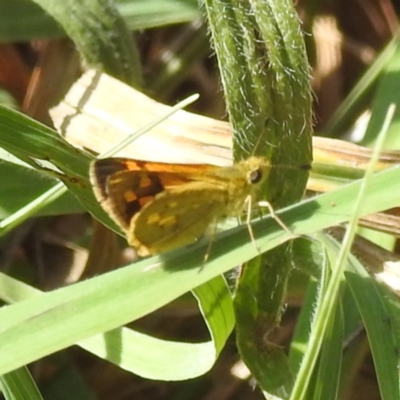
119 190
124 186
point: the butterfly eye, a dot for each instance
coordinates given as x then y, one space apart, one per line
254 176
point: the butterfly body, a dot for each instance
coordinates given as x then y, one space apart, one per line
163 206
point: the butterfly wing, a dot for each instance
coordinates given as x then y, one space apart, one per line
177 217
124 186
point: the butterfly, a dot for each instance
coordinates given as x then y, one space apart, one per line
162 206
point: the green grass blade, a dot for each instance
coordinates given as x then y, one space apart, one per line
386 94
264 72
36 327
100 35
19 385
355 101
23 20
379 311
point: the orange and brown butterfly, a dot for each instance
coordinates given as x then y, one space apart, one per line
163 206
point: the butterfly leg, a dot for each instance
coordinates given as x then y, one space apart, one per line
274 216
248 219
212 236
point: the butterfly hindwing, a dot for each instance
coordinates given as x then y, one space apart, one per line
176 218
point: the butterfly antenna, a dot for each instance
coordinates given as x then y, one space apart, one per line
303 167
258 140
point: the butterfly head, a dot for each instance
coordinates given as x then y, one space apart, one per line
257 170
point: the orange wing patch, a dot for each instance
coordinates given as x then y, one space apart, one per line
123 186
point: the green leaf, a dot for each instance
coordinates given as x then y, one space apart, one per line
154 358
23 20
100 35
49 322
265 74
19 384
360 95
386 94
22 184
379 311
